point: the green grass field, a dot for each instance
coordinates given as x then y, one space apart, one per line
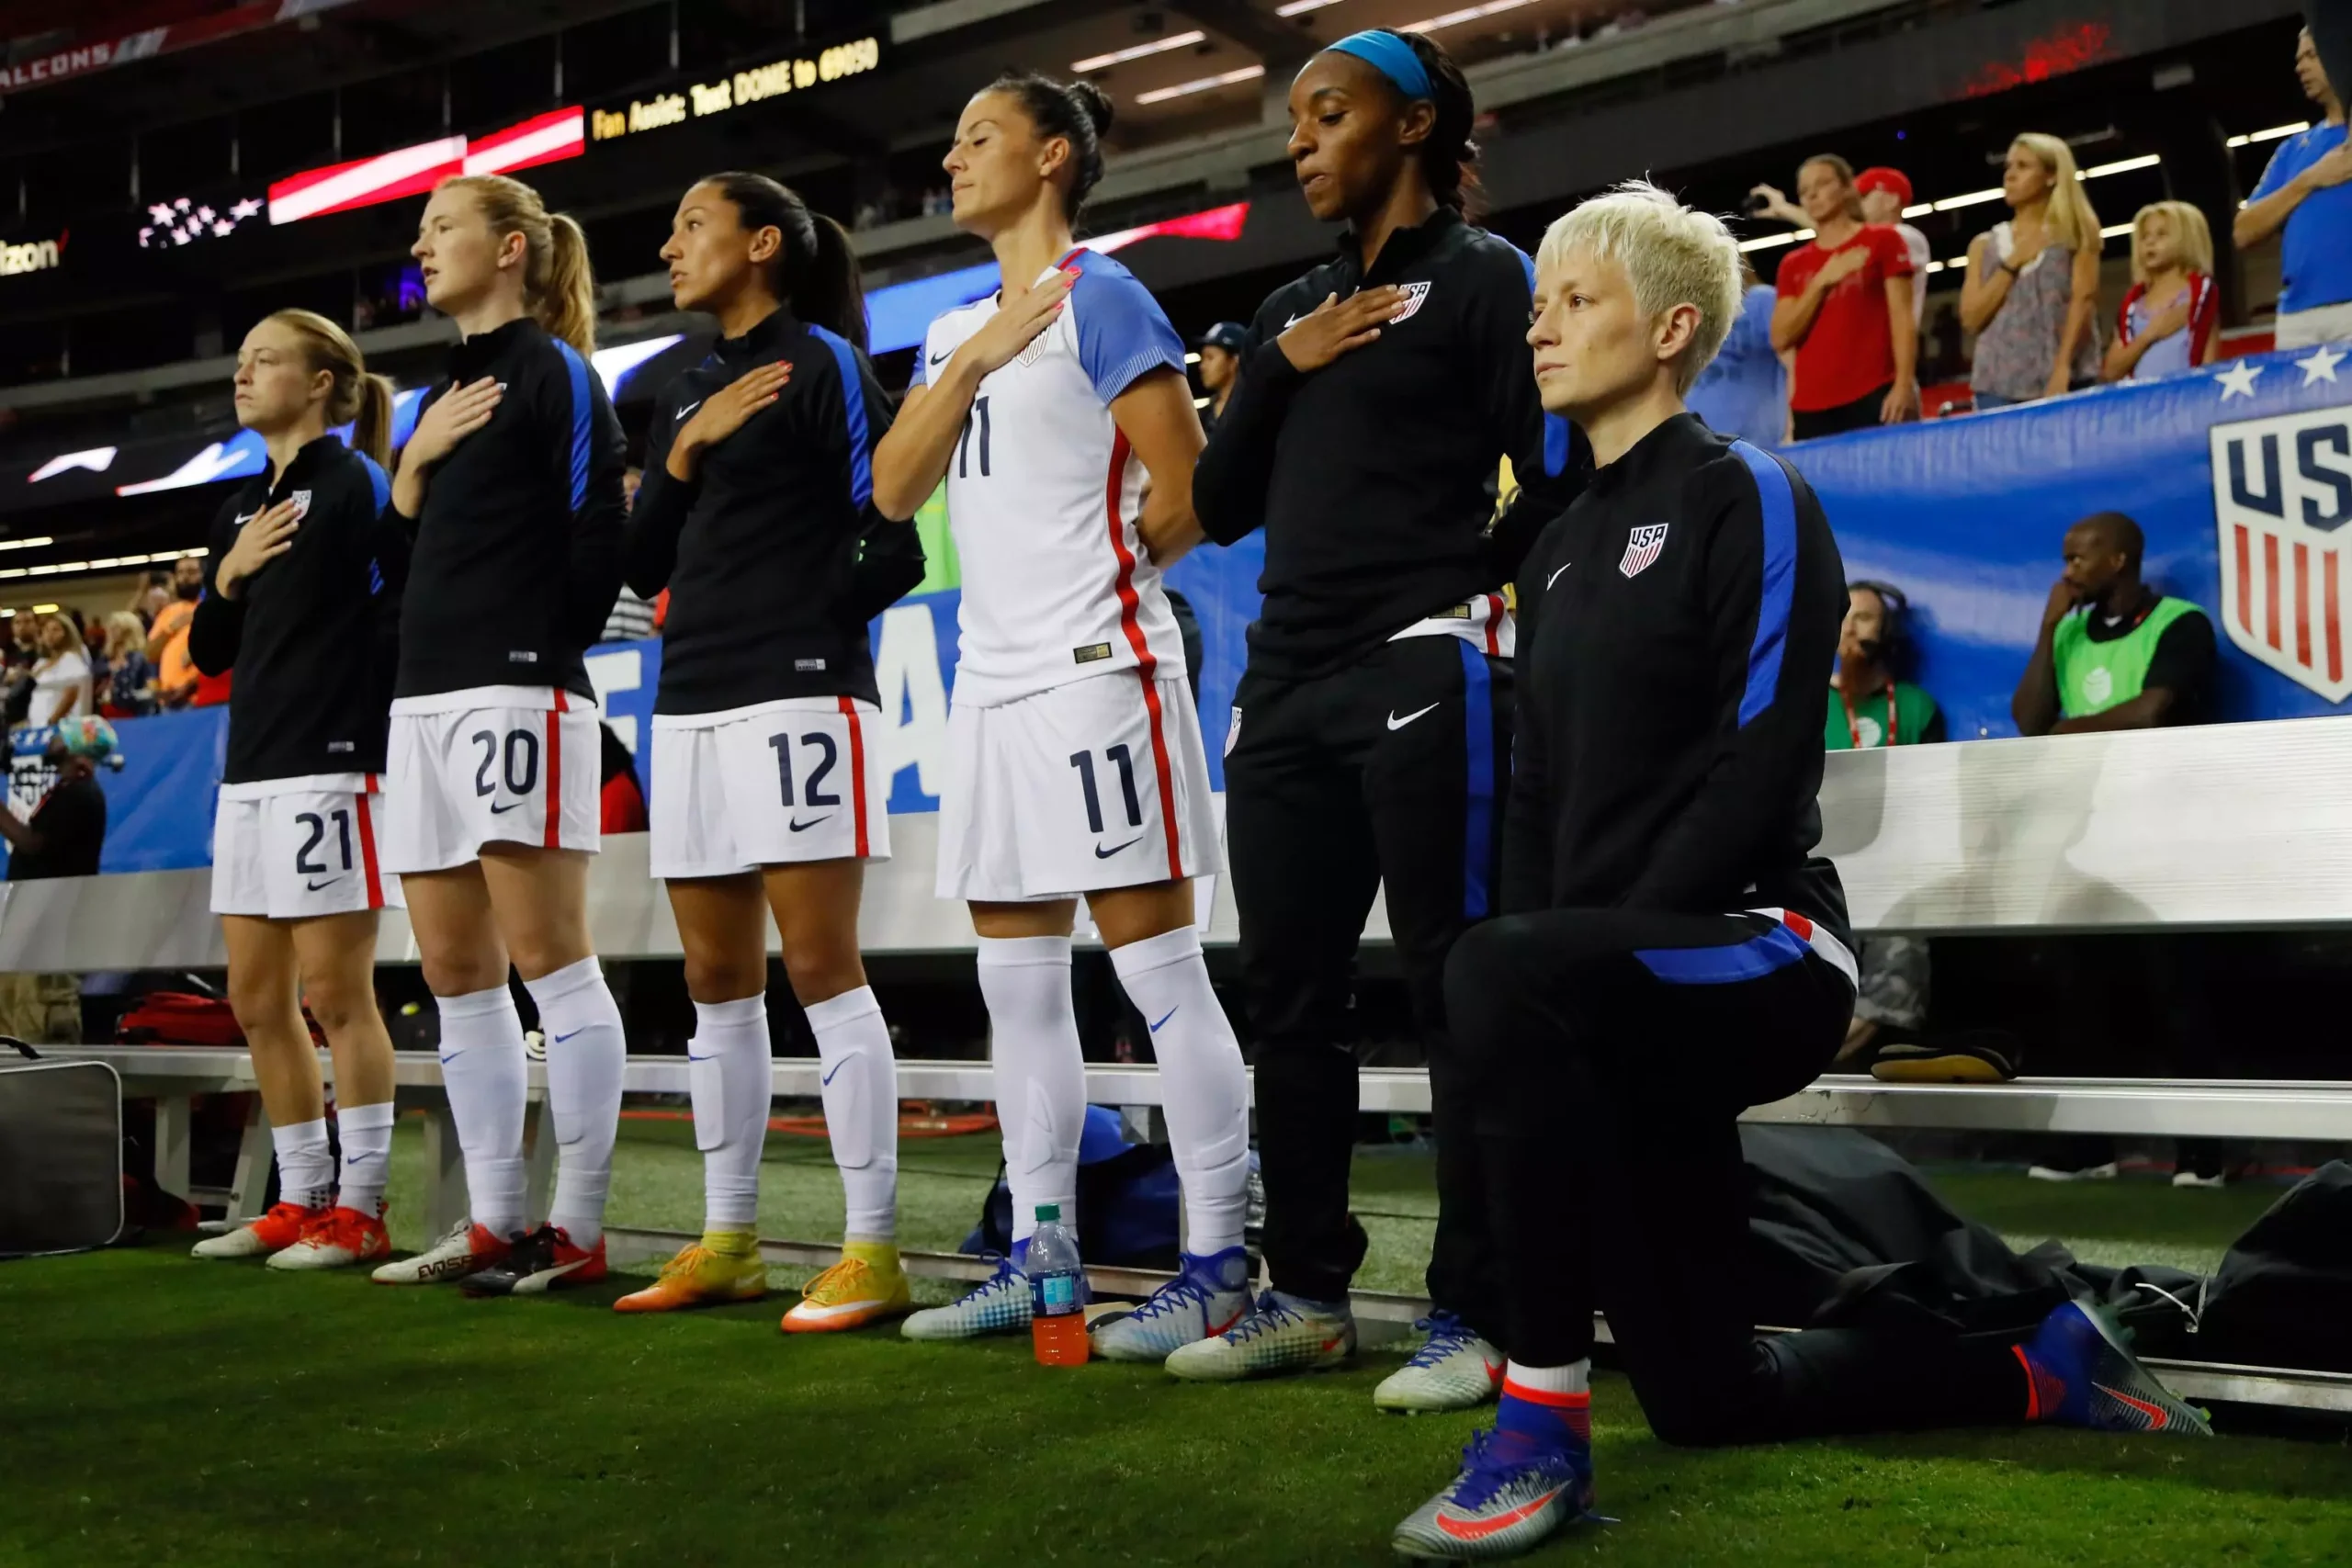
161 1410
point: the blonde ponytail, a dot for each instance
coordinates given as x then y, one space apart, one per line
559 284
358 400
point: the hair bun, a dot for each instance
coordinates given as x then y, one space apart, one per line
1093 102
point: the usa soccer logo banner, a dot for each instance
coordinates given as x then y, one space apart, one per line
2282 495
1642 547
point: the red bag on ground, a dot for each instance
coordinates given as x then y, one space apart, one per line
180 1017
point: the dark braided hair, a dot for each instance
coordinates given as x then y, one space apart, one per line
1078 111
817 269
1449 158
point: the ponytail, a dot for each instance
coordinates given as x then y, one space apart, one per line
1449 158
1079 112
559 284
358 398
815 269
566 306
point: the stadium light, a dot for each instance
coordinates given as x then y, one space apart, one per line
1300 8
1138 52
1467 14
2273 134
1200 84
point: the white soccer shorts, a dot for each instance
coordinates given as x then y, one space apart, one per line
496 764
1100 783
777 784
296 849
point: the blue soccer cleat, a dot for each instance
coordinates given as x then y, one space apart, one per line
1208 1296
998 1305
2081 1374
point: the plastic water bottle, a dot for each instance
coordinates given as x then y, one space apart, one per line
1056 1293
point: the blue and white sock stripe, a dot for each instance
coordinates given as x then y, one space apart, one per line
1788 941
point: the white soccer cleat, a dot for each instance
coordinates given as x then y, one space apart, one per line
338 1239
998 1305
1208 1296
274 1232
1454 1370
1277 1337
467 1249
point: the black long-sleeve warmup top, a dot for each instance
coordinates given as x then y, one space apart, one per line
313 635
518 553
1675 628
1370 475
775 556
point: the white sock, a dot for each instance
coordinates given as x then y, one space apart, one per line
1040 1073
1574 1378
305 1164
367 1134
861 1094
586 1055
487 1079
1204 1089
727 1069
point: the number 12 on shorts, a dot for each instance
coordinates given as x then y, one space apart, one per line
812 792
1124 760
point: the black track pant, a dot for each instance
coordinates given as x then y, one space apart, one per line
1611 1052
1393 768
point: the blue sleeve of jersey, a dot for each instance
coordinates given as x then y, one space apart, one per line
2284 165
921 377
1122 332
860 433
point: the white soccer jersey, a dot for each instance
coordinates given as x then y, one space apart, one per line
1043 494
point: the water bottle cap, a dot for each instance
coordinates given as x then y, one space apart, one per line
1049 1213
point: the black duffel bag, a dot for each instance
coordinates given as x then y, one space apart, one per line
60 1153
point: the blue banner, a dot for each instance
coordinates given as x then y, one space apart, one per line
2240 475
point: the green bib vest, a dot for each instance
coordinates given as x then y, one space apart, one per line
1913 711
2096 676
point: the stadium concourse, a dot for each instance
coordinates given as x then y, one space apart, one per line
1298 865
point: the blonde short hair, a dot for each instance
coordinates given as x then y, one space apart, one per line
2192 237
1673 254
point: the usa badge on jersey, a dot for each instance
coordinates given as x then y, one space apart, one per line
301 500
1414 294
1643 547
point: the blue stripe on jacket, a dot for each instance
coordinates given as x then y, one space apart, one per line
1779 590
582 421
861 460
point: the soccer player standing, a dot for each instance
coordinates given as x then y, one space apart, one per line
768 793
1371 735
301 598
1075 765
1672 951
511 485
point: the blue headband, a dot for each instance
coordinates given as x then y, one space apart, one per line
1392 57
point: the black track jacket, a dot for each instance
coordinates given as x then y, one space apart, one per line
1675 626
1371 476
314 634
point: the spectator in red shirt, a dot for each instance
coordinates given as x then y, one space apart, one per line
1845 308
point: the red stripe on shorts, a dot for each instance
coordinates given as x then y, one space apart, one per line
367 851
1146 662
554 837
856 771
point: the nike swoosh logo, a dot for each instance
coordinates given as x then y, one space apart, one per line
1555 576
2155 1412
1396 723
1295 321
692 1057
314 887
562 1038
940 358
825 1081
1101 853
1166 1016
1478 1530
510 806
798 826
1334 1343
689 408
243 518
451 1058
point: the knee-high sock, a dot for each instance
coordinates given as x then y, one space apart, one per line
305 1164
586 1053
367 1134
483 1070
1040 1075
728 1071
1204 1089
861 1094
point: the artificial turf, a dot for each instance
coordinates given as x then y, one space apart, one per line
165 1410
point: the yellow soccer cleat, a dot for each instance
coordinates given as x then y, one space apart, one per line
865 1287
723 1267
